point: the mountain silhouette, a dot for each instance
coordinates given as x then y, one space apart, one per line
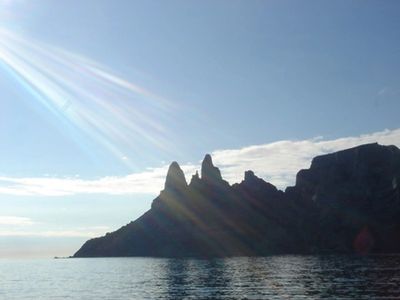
346 202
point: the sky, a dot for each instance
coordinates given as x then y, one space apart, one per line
98 97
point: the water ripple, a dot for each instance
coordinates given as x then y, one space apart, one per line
275 277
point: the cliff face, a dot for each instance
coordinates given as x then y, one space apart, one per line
354 193
347 202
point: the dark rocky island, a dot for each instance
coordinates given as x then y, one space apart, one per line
346 202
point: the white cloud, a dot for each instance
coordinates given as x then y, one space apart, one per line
15 221
145 182
15 226
87 232
276 162
279 162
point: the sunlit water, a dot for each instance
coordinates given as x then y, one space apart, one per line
275 277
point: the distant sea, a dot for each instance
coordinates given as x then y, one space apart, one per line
274 277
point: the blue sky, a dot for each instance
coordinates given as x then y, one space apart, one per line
97 97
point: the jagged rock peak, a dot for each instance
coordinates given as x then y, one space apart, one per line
175 178
252 181
195 179
249 175
208 171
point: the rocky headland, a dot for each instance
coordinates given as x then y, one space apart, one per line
346 202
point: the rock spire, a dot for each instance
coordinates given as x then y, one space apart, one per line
209 173
175 178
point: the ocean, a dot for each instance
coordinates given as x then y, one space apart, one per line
273 277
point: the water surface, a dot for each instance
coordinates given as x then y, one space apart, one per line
274 277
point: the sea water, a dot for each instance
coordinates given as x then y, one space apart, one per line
273 277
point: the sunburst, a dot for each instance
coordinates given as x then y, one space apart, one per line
86 96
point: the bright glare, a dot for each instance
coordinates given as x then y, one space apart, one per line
85 96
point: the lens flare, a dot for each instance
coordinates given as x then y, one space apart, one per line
86 97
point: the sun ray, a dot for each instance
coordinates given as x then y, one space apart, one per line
118 114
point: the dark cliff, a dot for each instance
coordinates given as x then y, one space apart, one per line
347 202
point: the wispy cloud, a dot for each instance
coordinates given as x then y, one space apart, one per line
276 162
88 232
17 226
15 221
147 182
387 91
